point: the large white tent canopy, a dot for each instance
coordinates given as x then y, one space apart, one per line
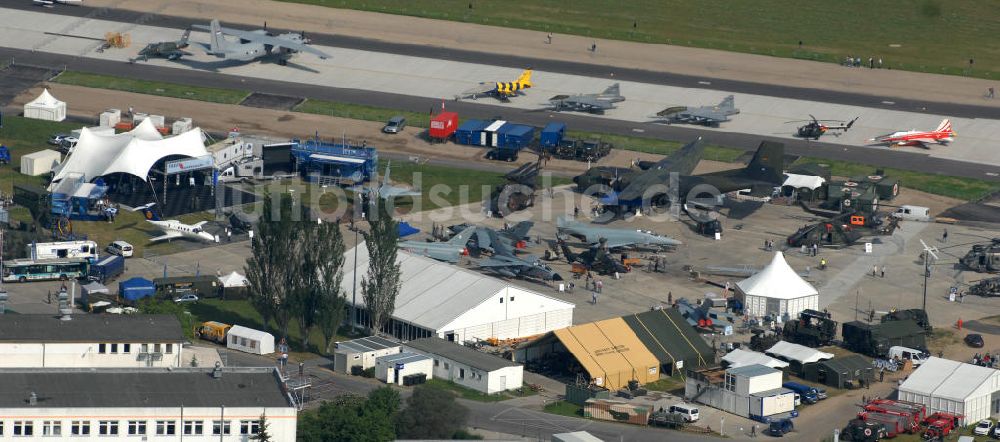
777 290
45 107
954 387
740 357
134 152
797 353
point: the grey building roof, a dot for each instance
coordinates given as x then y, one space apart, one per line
402 358
364 345
140 388
459 353
752 370
771 392
90 328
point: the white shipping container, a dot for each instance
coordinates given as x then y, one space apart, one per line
111 117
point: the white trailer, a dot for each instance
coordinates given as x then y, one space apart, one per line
63 249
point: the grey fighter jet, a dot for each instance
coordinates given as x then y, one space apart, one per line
255 44
704 115
448 251
504 263
614 238
593 103
171 50
386 191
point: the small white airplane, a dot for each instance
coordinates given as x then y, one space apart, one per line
51 3
174 229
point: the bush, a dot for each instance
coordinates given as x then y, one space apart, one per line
368 372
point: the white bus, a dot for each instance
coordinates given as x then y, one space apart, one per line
64 249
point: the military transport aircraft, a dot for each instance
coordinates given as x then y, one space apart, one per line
593 103
171 50
703 115
256 44
501 90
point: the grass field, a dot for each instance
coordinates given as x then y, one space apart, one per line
968 189
917 35
213 95
360 112
240 312
563 408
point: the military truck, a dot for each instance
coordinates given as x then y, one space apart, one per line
875 339
858 430
983 258
582 150
986 287
813 329
916 314
763 339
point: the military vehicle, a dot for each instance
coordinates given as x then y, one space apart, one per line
813 329
983 258
914 314
763 339
596 258
858 430
582 150
986 287
875 339
816 128
517 192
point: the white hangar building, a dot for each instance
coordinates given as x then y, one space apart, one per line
457 304
954 387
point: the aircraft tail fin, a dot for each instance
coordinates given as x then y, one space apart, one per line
768 163
728 103
521 229
216 30
183 42
149 212
525 79
499 248
462 237
945 126
614 90
850 123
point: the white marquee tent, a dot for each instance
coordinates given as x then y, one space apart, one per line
133 152
797 353
234 279
458 304
954 387
777 291
45 107
740 357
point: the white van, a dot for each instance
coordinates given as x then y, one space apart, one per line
912 213
905 353
690 412
121 248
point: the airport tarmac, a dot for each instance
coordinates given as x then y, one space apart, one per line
438 79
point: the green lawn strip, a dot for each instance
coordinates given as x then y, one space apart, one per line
894 30
174 90
563 408
968 189
240 312
655 146
670 384
361 112
468 393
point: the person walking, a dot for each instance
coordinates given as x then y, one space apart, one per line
882 271
874 270
815 249
600 285
593 298
753 431
593 47
944 236
549 38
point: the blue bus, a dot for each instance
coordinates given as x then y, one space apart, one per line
24 270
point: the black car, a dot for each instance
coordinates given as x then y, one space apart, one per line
974 340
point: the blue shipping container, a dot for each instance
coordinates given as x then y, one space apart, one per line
515 136
108 267
470 132
552 134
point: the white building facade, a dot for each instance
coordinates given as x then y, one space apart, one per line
91 341
469 368
752 391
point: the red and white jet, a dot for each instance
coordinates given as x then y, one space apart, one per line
942 135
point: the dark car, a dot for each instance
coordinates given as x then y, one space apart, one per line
974 340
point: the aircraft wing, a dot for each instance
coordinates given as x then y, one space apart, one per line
439 254
707 114
167 235
923 140
684 160
199 224
616 243
390 192
497 263
481 89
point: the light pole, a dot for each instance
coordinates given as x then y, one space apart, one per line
354 284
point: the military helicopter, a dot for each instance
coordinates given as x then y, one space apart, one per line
983 258
815 128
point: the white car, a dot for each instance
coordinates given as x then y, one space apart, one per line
187 298
983 427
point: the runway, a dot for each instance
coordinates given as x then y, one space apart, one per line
391 81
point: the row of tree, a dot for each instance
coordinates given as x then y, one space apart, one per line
296 267
430 413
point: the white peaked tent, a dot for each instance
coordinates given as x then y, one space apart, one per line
45 107
133 152
776 291
233 280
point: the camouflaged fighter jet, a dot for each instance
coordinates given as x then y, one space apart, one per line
593 103
703 115
171 50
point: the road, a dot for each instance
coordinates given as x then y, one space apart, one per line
882 158
510 59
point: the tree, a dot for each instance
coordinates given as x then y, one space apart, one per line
381 285
326 266
354 418
270 269
262 434
150 306
431 413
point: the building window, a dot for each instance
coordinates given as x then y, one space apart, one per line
136 428
168 428
170 348
511 299
109 428
501 299
126 348
253 344
236 340
221 427
80 428
446 367
1 428
114 348
24 428
156 348
730 382
102 348
196 428
251 427
461 373
52 428
435 362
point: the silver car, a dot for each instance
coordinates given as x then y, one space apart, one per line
395 125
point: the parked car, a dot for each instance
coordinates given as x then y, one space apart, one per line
689 412
120 248
67 144
974 340
395 125
56 139
983 428
996 432
187 298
